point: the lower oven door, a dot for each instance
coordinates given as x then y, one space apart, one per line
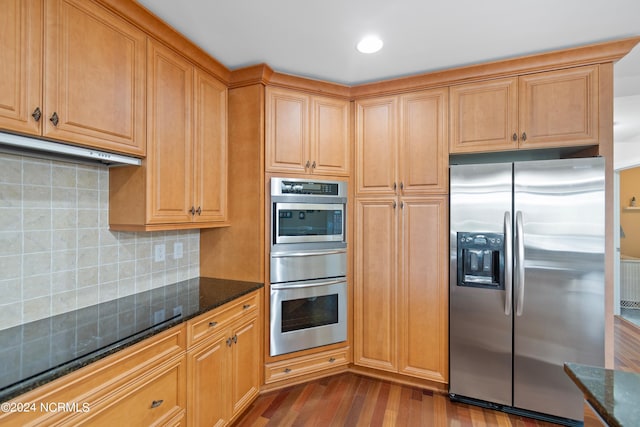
307 314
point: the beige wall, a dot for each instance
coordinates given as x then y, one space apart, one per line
630 219
57 253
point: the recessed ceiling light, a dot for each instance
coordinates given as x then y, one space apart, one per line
369 44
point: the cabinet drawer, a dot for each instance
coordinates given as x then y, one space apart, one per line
217 320
292 368
153 399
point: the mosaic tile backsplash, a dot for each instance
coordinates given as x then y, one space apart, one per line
57 253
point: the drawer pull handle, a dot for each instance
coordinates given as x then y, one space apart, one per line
246 306
212 324
287 370
156 403
332 360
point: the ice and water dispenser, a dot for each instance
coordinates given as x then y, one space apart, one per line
481 260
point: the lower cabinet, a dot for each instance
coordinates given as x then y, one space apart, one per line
224 367
187 375
401 287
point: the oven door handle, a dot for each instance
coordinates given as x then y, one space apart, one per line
284 286
307 253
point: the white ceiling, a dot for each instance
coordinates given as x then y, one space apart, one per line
317 39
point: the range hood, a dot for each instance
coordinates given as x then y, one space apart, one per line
32 147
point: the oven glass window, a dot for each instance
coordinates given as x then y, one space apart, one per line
306 313
303 222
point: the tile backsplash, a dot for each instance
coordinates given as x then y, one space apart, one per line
57 253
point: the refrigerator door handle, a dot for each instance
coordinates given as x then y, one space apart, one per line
519 264
508 263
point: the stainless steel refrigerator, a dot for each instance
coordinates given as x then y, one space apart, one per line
526 282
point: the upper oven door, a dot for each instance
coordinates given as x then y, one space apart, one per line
308 222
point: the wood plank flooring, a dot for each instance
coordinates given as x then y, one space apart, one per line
353 400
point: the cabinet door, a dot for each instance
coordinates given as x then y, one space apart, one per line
329 136
169 159
209 380
94 77
21 59
287 131
559 108
423 149
484 116
375 338
376 146
245 365
210 148
423 300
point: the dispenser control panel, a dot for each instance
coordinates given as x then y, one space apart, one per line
481 260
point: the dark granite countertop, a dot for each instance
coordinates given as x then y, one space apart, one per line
38 352
615 395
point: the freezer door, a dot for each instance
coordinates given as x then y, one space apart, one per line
559 285
480 312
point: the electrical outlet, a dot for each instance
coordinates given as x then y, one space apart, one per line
159 251
177 250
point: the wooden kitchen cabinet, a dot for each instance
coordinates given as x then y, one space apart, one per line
74 72
182 182
401 144
542 110
224 364
306 134
401 308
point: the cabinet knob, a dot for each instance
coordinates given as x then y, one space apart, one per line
331 360
287 370
192 211
37 114
401 185
246 306
394 186
307 165
524 136
199 211
212 324
156 403
514 137
313 166
394 204
229 341
54 119
235 339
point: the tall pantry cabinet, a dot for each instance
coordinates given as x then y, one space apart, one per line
401 229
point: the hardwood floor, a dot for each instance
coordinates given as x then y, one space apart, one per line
354 400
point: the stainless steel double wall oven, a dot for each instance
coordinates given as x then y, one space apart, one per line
308 292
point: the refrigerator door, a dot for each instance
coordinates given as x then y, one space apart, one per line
480 310
558 280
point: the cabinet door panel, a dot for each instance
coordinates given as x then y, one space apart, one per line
208 394
559 108
375 320
287 139
484 116
423 306
246 366
424 148
94 77
169 161
210 148
376 143
21 59
330 136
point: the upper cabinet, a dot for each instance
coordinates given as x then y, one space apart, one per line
401 143
72 71
182 182
543 110
306 134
